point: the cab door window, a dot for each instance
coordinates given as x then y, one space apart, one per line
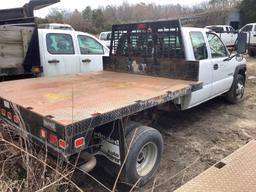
60 44
218 49
199 45
89 46
247 28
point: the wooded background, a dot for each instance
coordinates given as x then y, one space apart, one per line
101 19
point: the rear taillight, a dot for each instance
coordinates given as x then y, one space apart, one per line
16 119
3 112
62 144
9 115
79 142
53 139
2 123
43 134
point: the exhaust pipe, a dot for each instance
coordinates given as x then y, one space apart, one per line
90 162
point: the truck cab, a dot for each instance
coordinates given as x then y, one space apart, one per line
250 29
105 38
31 50
69 52
216 70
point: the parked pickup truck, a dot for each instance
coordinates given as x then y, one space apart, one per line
250 29
153 66
105 38
227 34
50 50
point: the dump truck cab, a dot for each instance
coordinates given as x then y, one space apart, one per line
48 50
65 52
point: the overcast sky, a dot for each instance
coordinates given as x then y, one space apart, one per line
81 4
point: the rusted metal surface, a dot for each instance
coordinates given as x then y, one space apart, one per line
236 173
165 67
71 99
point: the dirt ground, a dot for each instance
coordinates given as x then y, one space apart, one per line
198 138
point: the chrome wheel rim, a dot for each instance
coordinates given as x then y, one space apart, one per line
146 159
239 90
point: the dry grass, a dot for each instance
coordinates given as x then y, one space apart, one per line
26 168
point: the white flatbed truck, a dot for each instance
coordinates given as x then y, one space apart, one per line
152 64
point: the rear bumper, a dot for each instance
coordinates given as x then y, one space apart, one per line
8 126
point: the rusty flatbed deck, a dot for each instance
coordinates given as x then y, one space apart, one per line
89 95
236 173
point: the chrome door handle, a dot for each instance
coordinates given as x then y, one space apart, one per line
86 60
54 61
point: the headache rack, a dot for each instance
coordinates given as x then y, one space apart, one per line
153 48
148 39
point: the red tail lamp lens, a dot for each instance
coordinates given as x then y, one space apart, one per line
79 142
2 123
53 139
3 112
16 119
9 115
62 144
43 133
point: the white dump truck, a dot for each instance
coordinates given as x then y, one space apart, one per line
27 50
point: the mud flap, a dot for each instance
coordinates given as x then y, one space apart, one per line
112 150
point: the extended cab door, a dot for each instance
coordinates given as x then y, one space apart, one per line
223 71
58 53
91 53
253 35
201 54
250 29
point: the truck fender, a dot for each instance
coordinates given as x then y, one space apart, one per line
240 69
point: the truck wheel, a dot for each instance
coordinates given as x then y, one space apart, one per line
236 92
252 52
144 156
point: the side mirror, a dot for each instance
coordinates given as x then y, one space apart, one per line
241 43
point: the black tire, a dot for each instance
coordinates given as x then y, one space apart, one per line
148 139
236 93
252 52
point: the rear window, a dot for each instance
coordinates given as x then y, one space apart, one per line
105 36
247 28
147 44
60 44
